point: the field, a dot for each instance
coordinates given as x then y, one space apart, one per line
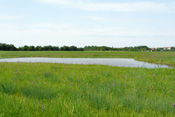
47 89
151 57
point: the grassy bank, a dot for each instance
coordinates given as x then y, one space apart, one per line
43 89
152 57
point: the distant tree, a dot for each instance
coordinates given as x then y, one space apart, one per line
46 48
131 49
10 47
159 49
80 49
125 49
73 48
26 48
38 48
65 48
172 49
55 48
31 48
7 47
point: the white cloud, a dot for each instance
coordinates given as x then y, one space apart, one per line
70 29
62 2
115 6
67 34
9 27
6 17
95 17
56 27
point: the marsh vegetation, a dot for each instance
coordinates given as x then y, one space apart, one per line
47 89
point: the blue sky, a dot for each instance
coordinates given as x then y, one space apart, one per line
116 23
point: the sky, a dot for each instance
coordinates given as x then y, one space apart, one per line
114 23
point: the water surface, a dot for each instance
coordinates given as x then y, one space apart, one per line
120 62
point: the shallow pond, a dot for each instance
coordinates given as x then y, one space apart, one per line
120 62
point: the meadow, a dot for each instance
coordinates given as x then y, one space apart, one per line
48 89
151 57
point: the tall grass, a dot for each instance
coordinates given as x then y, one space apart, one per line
45 89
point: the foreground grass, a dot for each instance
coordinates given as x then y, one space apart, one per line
43 89
151 57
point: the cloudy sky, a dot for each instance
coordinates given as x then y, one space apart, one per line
116 23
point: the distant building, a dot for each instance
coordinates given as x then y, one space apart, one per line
166 48
161 48
152 48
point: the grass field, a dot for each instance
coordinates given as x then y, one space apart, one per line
45 89
152 57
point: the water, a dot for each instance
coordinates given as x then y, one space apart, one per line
120 62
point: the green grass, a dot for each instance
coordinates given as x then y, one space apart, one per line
46 89
151 57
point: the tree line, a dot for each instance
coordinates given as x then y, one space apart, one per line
49 48
11 47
